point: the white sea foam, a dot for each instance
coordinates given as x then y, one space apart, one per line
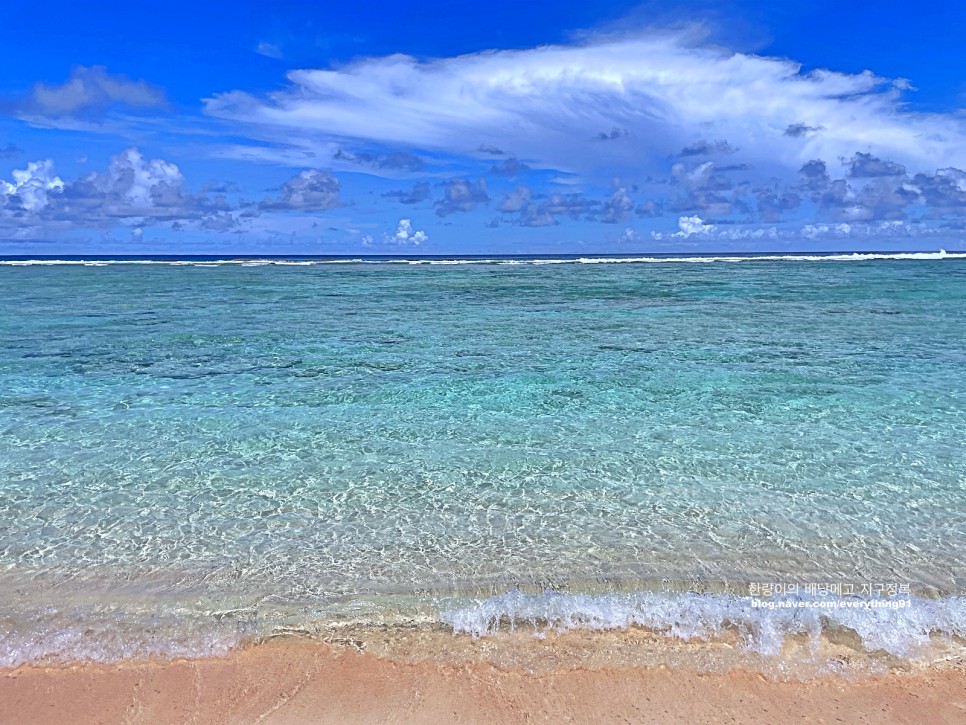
853 257
899 630
903 631
110 641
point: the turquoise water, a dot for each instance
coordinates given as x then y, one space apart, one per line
196 449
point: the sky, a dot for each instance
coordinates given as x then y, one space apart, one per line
392 128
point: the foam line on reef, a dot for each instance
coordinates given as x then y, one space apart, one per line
701 259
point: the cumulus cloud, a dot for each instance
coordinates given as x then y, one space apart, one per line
798 130
612 135
462 195
537 216
871 189
510 167
135 183
31 187
419 192
628 236
866 166
574 206
707 148
542 210
842 232
398 160
310 190
133 190
649 208
134 187
91 89
946 189
406 235
774 203
815 173
617 208
688 226
516 200
554 101
702 189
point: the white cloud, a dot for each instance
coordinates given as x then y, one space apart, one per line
310 190
751 234
269 50
617 208
92 88
462 196
516 200
31 187
133 182
889 230
885 230
552 102
690 225
406 235
816 231
132 191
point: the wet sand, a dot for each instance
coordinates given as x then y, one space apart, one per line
292 680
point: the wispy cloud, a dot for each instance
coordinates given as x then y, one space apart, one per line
269 50
659 92
89 91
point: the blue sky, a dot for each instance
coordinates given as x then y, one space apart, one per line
498 127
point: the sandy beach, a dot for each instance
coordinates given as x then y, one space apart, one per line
494 362
290 680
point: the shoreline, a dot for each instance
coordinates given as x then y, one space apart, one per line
291 679
537 633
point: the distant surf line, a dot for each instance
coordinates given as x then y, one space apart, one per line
492 260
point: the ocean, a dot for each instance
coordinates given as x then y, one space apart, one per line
758 449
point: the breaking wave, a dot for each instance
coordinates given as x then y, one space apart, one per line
899 626
516 261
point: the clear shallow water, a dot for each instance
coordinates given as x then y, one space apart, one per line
205 451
